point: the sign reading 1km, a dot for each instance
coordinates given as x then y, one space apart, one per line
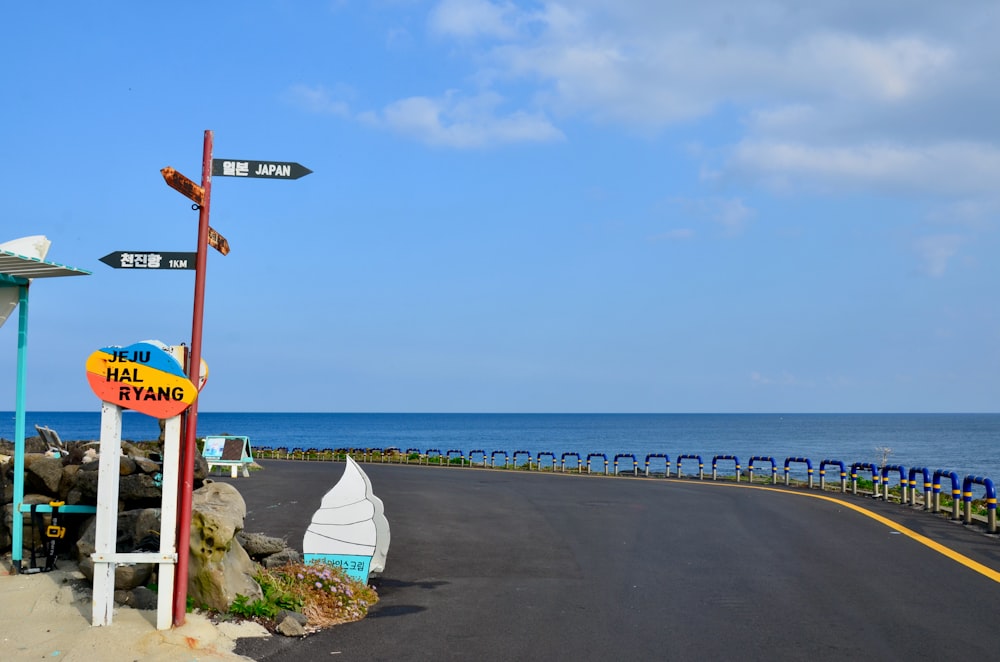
261 169
142 377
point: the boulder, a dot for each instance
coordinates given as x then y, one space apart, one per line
133 527
259 545
43 472
219 568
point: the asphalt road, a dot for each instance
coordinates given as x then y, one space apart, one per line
502 565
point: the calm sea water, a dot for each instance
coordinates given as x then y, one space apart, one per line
964 443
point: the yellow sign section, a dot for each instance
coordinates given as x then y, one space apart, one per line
142 377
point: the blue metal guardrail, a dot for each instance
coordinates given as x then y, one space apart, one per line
548 454
961 491
956 492
913 486
868 466
701 465
903 482
622 456
799 460
991 500
715 465
579 462
591 456
666 463
822 474
763 458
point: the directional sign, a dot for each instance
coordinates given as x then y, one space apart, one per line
149 260
217 241
179 182
261 169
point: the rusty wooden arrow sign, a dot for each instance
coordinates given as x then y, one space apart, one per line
179 182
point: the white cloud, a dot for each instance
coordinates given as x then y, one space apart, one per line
936 251
474 18
731 214
319 99
954 168
463 122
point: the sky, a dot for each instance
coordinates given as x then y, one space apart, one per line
576 206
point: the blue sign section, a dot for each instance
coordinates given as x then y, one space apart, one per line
354 566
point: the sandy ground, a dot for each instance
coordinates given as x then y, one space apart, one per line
47 616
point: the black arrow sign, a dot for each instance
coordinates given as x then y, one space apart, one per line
261 169
149 260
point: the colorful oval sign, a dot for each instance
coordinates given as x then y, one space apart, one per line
143 377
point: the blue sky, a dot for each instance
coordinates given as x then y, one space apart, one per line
584 206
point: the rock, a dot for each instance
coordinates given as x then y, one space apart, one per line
283 557
132 526
146 466
126 466
258 545
68 481
219 568
290 627
138 598
44 472
143 598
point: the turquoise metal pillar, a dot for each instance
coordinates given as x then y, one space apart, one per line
16 527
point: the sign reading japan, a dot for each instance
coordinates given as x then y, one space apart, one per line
262 169
143 377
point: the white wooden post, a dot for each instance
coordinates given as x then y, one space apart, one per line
107 513
168 522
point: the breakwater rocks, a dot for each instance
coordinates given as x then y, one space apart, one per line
223 556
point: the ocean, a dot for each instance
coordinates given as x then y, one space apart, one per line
963 443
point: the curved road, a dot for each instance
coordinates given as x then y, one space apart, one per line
503 565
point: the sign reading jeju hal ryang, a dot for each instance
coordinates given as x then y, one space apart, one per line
143 377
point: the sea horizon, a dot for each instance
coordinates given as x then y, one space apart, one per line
962 442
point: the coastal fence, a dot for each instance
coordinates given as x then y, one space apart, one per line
493 457
962 502
629 456
799 460
903 481
991 500
956 492
666 463
715 465
579 462
763 458
822 474
701 465
867 466
594 456
913 486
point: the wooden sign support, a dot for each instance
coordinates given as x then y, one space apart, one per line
106 557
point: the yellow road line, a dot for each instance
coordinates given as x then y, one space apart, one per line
975 566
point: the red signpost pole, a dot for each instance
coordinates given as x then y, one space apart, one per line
189 448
